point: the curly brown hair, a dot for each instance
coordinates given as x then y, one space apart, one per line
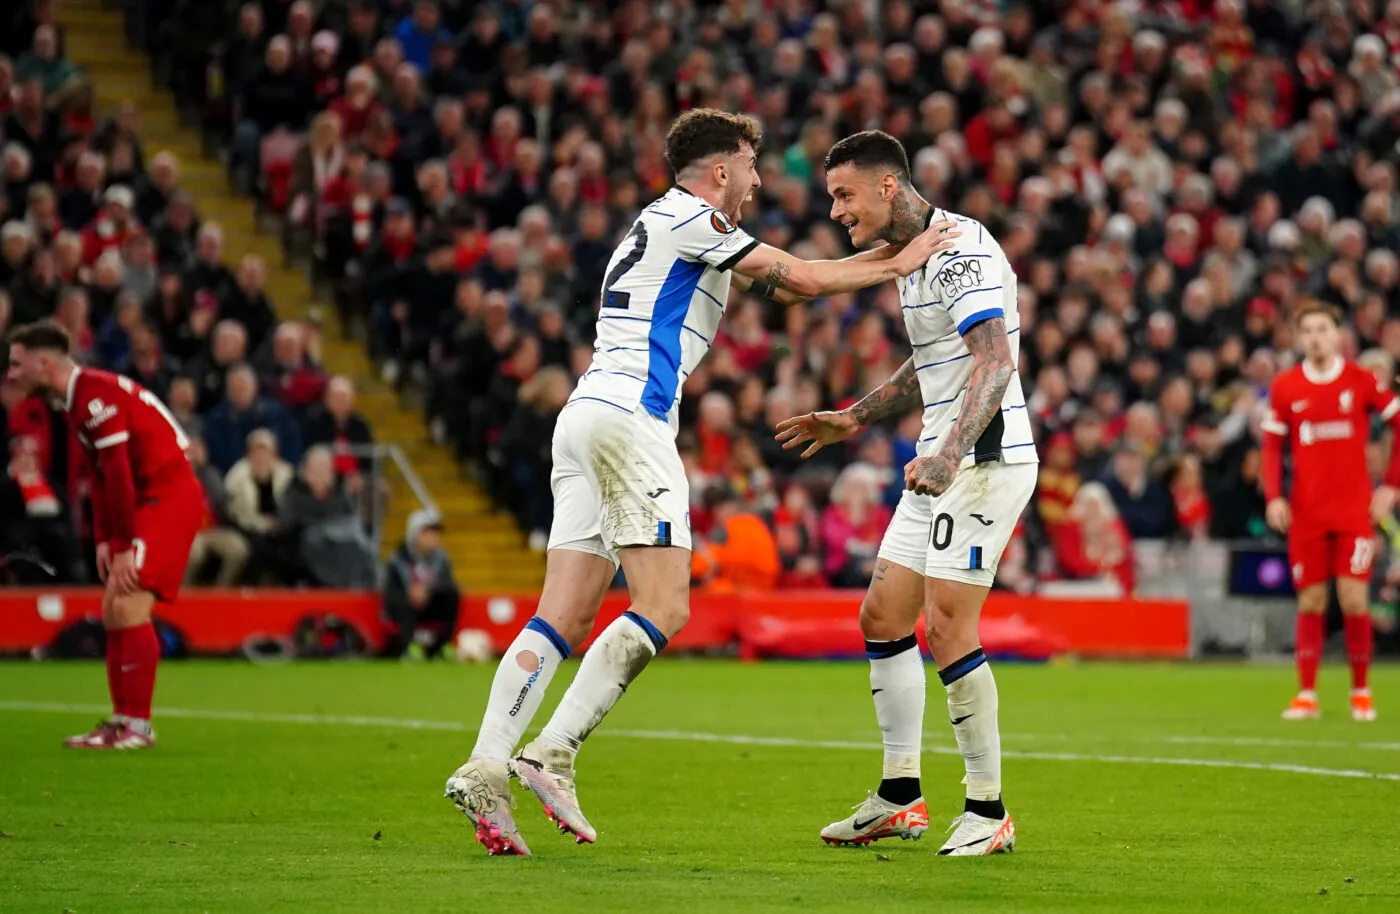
702 132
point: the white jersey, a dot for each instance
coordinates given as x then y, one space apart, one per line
663 296
954 292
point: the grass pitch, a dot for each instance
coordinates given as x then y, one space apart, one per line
317 787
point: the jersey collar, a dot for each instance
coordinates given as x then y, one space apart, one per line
68 393
1327 376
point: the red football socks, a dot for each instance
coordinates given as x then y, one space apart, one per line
1308 648
140 656
1359 638
115 641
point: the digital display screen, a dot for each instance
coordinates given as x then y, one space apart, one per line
1261 572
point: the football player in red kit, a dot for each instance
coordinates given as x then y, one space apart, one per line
1323 407
147 505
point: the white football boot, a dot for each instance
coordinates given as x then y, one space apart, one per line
548 773
978 836
481 790
878 818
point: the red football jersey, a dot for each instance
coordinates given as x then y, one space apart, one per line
1327 420
135 449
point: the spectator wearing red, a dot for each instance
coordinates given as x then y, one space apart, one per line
290 374
113 225
1057 485
470 243
797 534
1193 510
1095 544
336 424
358 105
988 129
7 85
467 166
744 335
714 431
852 526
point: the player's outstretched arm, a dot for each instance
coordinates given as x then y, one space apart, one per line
813 278
896 396
1275 430
742 283
992 370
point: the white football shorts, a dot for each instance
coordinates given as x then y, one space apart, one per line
618 481
960 535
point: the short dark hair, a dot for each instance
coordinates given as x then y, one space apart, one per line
45 334
871 149
702 132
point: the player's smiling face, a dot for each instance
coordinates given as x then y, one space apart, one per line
860 201
741 170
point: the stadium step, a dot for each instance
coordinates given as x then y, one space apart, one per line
487 547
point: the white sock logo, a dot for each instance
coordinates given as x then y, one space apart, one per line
525 690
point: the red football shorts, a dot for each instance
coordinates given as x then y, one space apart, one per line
165 530
1319 555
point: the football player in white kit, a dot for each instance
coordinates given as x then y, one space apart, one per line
974 473
620 490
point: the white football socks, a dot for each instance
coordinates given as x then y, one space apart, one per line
518 688
619 655
897 686
972 708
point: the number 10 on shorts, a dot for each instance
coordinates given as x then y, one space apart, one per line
940 537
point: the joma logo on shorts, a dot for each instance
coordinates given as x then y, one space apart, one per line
525 690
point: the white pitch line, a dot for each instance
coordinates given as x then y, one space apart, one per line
734 739
1269 742
453 726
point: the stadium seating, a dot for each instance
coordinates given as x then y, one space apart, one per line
1138 170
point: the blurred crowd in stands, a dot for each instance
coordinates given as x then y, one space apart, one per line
1169 177
96 233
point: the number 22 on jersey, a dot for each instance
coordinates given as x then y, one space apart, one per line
611 297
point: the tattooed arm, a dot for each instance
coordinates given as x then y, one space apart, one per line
813 278
896 396
991 373
762 289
